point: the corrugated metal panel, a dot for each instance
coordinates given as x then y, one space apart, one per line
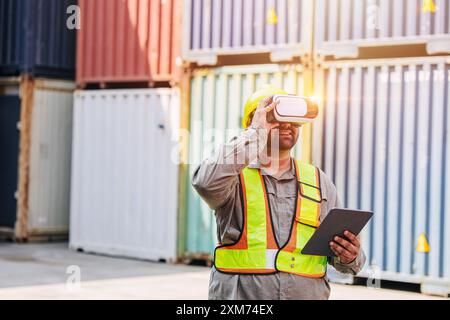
34 38
383 138
343 25
51 142
124 174
217 27
129 41
9 146
217 100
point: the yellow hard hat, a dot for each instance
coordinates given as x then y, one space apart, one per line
252 103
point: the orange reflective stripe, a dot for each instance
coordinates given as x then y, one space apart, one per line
307 275
292 243
250 271
271 243
242 243
318 183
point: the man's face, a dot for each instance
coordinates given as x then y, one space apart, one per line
287 134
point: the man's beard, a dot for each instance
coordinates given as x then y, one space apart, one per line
282 139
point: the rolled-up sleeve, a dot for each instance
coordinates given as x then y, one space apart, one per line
217 176
351 268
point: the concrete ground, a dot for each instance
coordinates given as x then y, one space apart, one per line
51 271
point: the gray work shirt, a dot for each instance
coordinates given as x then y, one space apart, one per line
217 182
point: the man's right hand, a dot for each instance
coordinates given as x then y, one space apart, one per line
260 117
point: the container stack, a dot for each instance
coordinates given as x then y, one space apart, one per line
381 73
37 64
383 134
232 48
126 129
162 83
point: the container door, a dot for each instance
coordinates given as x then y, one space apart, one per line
9 146
51 133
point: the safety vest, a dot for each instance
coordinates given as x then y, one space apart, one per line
256 251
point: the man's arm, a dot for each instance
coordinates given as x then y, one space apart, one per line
217 177
353 267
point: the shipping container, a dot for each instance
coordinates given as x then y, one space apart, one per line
129 41
217 98
343 26
35 38
9 144
35 137
383 139
212 28
125 173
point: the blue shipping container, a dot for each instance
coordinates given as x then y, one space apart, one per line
9 146
383 138
35 39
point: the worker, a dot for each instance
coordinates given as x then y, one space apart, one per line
267 205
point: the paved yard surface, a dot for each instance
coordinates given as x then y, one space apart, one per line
50 271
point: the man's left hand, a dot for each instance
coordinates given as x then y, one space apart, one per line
347 249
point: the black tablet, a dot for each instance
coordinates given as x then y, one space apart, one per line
335 224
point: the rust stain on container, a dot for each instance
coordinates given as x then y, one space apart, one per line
129 41
27 86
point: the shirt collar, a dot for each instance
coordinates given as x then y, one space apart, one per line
285 176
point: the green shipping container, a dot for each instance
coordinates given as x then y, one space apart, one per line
217 98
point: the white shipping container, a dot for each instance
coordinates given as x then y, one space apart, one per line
125 173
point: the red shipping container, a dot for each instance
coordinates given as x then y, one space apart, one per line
129 41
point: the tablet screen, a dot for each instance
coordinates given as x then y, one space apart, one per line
335 224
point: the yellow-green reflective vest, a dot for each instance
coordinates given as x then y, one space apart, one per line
256 251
